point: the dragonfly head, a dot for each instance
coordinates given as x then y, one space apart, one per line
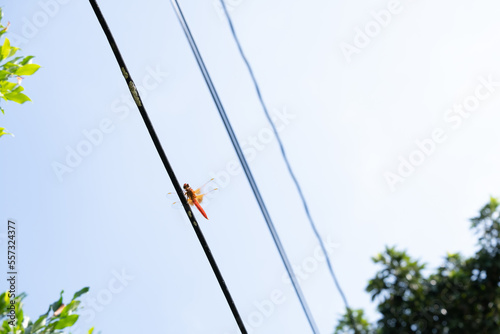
186 186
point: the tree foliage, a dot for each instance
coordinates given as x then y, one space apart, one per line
461 296
58 317
12 71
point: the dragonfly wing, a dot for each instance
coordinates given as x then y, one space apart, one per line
200 197
206 187
176 203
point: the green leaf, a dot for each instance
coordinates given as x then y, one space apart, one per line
4 299
91 330
18 89
20 315
5 49
17 97
2 132
13 51
68 309
493 203
26 60
11 67
6 328
66 322
4 28
39 323
16 60
27 69
4 75
81 292
55 305
7 86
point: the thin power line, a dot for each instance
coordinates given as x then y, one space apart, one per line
292 174
245 166
168 167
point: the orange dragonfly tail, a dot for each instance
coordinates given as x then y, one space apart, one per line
198 206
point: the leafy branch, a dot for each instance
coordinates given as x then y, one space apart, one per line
58 317
13 69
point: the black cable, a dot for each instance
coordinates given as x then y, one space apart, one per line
170 171
245 166
285 158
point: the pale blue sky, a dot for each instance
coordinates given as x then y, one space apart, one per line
347 119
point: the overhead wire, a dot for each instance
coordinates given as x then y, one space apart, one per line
245 166
168 167
285 158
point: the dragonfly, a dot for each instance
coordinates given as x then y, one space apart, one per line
195 197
